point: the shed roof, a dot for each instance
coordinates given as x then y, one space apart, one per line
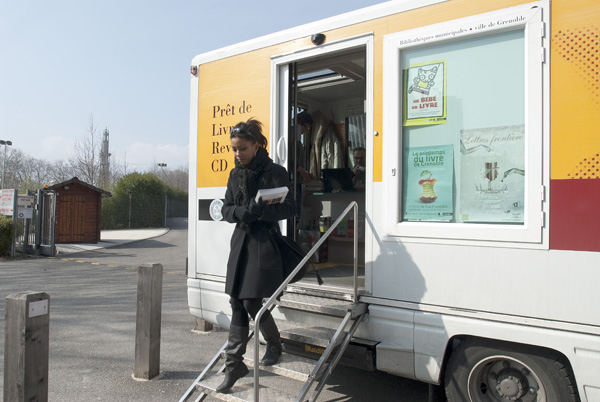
75 180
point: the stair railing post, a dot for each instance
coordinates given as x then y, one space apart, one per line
355 295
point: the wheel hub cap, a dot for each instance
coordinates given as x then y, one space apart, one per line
511 384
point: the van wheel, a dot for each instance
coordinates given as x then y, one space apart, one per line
486 371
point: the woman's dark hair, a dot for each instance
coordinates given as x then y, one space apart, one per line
251 130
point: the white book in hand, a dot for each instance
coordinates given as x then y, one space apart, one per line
272 195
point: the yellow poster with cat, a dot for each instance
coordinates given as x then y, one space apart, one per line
424 94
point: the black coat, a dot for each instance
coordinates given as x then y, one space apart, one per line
254 269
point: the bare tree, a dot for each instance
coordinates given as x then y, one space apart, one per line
179 178
61 171
117 171
86 161
9 179
25 172
36 174
28 173
176 178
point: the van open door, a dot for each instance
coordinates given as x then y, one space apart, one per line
326 111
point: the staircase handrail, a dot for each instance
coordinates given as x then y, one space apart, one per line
286 281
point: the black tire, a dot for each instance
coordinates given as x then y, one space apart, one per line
490 371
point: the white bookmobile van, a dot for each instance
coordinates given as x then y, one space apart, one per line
478 226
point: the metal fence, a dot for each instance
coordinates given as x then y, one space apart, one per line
35 234
140 211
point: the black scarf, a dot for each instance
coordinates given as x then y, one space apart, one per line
248 176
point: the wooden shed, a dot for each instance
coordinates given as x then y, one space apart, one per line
77 211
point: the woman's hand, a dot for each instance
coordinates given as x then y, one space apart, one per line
244 215
256 208
306 177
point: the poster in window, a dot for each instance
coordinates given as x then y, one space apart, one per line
428 182
492 174
425 94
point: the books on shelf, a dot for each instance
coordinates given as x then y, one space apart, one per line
272 195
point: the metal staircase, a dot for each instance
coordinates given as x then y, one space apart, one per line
294 377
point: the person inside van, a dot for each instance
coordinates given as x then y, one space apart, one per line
323 145
359 170
304 122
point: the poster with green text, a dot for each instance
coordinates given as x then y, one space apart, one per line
428 180
424 94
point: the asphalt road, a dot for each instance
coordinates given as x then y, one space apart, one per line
92 328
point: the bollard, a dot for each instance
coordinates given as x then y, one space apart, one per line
148 321
202 326
26 347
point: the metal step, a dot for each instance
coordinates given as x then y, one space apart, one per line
321 305
289 365
307 344
295 368
297 333
340 294
315 336
243 390
310 342
312 354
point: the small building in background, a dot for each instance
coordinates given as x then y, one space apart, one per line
78 211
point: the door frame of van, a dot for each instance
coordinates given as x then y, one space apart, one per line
280 72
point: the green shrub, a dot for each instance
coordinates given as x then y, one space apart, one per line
6 234
138 201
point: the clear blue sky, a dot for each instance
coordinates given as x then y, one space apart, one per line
126 62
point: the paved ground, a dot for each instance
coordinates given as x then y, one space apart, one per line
92 320
111 238
92 325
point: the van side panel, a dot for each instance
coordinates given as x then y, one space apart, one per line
575 152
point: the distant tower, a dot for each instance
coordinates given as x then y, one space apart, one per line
104 161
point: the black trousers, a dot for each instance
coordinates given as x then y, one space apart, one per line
240 308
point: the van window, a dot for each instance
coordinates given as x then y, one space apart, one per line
463 131
465 99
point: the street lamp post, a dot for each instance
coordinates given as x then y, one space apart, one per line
5 143
162 167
